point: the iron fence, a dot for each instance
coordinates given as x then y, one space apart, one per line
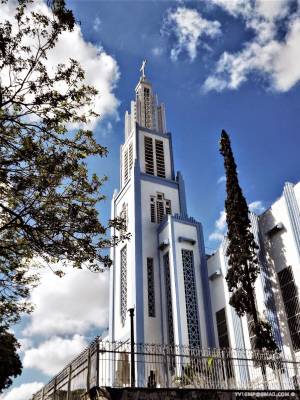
110 364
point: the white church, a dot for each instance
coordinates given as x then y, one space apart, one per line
162 271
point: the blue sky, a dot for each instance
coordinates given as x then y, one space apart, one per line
217 64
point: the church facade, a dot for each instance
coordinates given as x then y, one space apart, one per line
162 271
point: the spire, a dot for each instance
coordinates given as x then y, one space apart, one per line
145 109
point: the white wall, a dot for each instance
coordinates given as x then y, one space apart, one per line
281 252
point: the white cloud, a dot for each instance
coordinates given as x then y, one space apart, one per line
220 228
216 236
265 54
75 303
54 354
257 207
22 392
189 27
272 9
101 69
221 221
97 24
235 7
214 83
287 71
221 179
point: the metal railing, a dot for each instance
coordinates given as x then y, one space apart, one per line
108 364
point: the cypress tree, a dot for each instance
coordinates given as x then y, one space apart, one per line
242 250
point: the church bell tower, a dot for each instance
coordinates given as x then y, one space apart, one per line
161 271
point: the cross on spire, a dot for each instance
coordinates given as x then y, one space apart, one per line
142 69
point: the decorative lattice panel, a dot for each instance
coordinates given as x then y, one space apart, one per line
191 298
123 284
151 291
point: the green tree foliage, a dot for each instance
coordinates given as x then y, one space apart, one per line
10 364
47 198
242 250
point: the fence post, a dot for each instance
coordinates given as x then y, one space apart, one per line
132 363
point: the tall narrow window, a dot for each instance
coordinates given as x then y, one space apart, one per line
130 156
160 208
125 165
152 209
291 303
149 163
169 299
222 329
123 284
151 291
160 158
168 207
190 298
